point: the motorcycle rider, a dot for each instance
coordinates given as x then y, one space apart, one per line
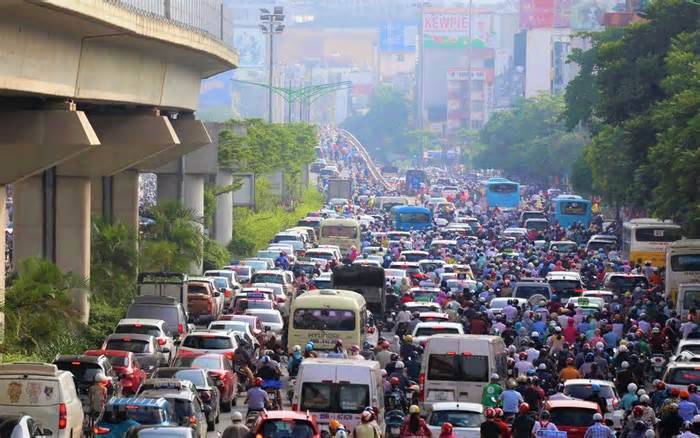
414 425
596 398
491 392
523 422
256 397
394 397
294 361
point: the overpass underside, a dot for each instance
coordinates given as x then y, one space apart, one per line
91 93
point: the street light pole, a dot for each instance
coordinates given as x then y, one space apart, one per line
469 69
270 78
268 25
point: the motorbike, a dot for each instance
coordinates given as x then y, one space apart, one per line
395 400
658 363
273 387
394 421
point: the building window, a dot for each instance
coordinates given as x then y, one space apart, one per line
478 106
477 124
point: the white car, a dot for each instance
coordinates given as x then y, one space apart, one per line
154 327
424 330
582 389
240 328
270 318
515 232
497 304
45 393
465 418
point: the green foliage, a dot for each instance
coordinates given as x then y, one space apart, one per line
174 241
638 93
114 262
215 255
385 126
253 229
530 140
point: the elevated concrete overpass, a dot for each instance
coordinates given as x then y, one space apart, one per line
92 92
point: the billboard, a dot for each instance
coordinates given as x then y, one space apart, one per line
250 43
449 28
397 37
537 14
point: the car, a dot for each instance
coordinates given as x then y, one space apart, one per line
572 416
324 281
204 301
606 295
514 232
423 330
145 347
161 432
278 295
563 247
21 426
680 374
424 294
257 264
239 328
497 304
368 261
163 308
691 345
583 388
412 256
254 323
466 418
220 369
413 307
285 278
209 341
145 411
621 282
395 274
126 367
226 289
433 316
317 165
601 241
286 424
243 272
531 214
189 411
45 393
565 284
143 326
534 290
261 298
84 369
271 319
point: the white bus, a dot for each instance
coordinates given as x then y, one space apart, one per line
682 265
342 232
647 239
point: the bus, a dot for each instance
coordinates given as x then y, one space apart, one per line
646 239
342 232
570 209
323 316
409 217
414 179
682 265
502 193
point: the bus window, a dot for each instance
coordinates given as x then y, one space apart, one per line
576 208
339 231
503 188
657 234
685 263
324 319
414 217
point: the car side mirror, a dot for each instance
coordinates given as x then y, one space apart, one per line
177 341
217 294
46 432
165 350
267 328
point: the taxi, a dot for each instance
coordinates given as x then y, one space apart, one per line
424 294
572 416
588 305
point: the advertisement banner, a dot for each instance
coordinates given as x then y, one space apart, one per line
588 14
397 37
448 29
250 43
562 13
537 14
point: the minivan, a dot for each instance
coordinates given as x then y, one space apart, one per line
339 389
455 368
165 308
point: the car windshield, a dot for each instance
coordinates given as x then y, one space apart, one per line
197 377
584 391
133 345
456 418
324 319
528 291
267 278
564 247
204 362
628 282
287 429
208 342
563 286
119 361
693 348
228 325
460 368
683 376
576 417
138 329
270 317
140 414
82 371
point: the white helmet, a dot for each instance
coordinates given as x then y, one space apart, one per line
625 365
236 416
632 387
495 376
535 334
398 365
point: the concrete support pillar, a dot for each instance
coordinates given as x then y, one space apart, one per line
3 228
194 200
28 233
167 187
73 234
223 217
125 199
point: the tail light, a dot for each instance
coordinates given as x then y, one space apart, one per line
229 355
227 293
421 383
62 416
578 290
97 430
295 407
181 328
161 341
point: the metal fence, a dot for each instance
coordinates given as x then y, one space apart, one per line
211 17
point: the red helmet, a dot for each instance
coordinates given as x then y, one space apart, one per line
489 413
394 381
675 392
524 408
446 428
570 361
637 411
684 394
660 385
499 412
258 381
522 355
385 345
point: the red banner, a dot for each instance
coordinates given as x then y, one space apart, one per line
537 14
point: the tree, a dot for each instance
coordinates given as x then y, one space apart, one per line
114 262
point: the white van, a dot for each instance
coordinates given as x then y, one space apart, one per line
455 368
45 393
339 389
688 298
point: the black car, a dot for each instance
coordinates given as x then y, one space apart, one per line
206 388
84 369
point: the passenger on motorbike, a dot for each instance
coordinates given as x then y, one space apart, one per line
394 397
294 361
256 397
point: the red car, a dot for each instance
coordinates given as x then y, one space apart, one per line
126 366
572 416
219 368
286 423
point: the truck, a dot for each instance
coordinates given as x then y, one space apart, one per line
366 280
339 188
164 284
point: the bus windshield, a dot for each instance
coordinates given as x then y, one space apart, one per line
573 208
339 231
414 218
324 319
657 234
503 188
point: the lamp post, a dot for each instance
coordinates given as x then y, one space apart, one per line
270 24
421 5
469 69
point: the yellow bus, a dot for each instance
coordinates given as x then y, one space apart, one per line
647 239
682 265
342 232
326 315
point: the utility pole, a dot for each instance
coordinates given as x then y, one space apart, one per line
421 75
269 25
469 69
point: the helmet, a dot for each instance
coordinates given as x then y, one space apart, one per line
499 412
696 419
101 378
367 416
545 415
632 387
258 381
383 372
597 417
398 365
265 359
446 428
385 345
394 381
644 398
637 411
490 413
309 347
675 392
522 355
296 348
625 365
660 385
535 334
684 394
524 408
495 376
413 409
408 338
334 424
236 416
656 330
542 366
338 342
595 387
